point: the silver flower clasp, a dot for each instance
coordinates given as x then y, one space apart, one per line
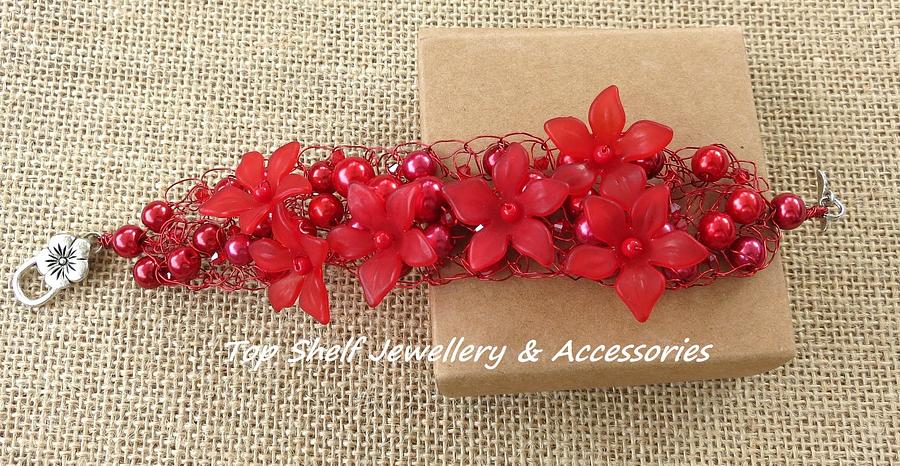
63 262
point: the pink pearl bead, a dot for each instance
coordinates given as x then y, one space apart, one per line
490 157
183 263
429 210
237 249
418 164
710 163
583 232
789 211
652 165
156 214
748 253
681 275
716 230
438 236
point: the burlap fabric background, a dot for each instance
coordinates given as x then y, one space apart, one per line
104 103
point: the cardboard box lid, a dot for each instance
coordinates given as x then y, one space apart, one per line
697 81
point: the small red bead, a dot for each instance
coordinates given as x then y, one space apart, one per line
418 164
336 157
745 205
384 185
382 240
319 176
227 181
302 265
325 210
583 232
710 163
490 157
264 228
602 154
432 201
575 204
716 230
156 214
237 249
144 272
438 236
207 238
351 170
631 247
263 192
789 211
183 263
748 253
682 275
652 165
127 240
510 211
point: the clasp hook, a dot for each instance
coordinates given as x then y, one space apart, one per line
828 200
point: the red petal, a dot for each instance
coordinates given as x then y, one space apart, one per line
366 206
314 297
227 202
281 162
415 251
511 171
379 274
531 238
640 285
623 184
401 205
251 169
578 176
607 117
250 219
650 211
543 197
350 243
488 246
270 256
606 219
643 139
591 262
571 136
676 250
292 185
472 200
283 293
316 249
284 232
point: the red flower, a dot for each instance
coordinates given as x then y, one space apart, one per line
300 255
637 243
263 186
507 216
387 232
604 151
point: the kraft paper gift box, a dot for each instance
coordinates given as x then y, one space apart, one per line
474 82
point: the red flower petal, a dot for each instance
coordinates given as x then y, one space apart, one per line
415 250
401 205
593 262
623 184
292 185
284 292
571 136
350 243
366 206
531 238
650 211
284 232
511 171
578 176
379 274
606 116
251 169
640 285
472 200
314 297
227 202
316 249
250 219
270 256
281 162
606 218
676 250
488 246
643 139
543 197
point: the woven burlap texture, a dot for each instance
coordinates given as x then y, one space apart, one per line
105 103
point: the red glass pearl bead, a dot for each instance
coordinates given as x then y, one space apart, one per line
227 181
631 247
144 272
337 155
583 232
183 263
382 240
602 154
264 228
745 205
789 211
716 230
351 170
490 157
438 237
575 204
156 214
510 211
319 176
748 253
237 249
682 275
207 238
325 210
430 206
384 185
710 163
418 164
127 240
652 165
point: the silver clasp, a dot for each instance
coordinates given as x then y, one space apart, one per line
61 263
827 199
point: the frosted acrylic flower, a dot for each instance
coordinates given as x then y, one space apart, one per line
64 261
